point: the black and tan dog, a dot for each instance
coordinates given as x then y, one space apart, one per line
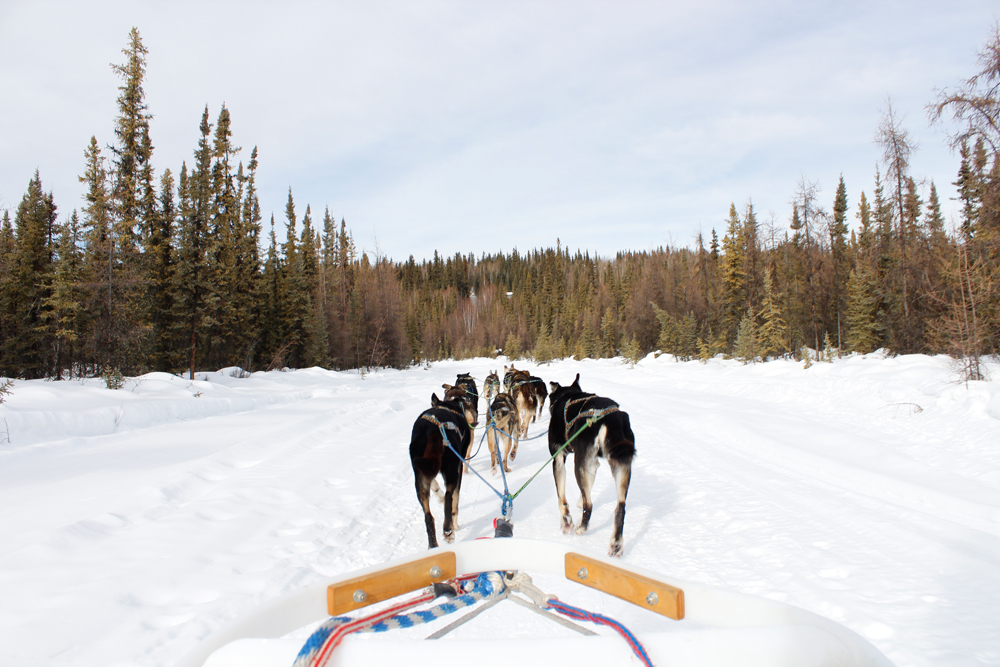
502 428
491 387
518 385
608 436
430 456
537 385
465 391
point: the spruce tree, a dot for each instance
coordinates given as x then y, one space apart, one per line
101 288
838 255
734 272
746 347
63 307
133 203
862 308
247 315
160 263
26 352
195 292
773 332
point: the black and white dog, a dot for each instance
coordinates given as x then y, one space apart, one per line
609 436
430 455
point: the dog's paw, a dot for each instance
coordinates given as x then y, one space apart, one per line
506 468
615 550
449 536
567 525
494 470
581 529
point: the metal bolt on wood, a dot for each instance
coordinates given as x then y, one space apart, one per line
652 599
435 572
360 595
581 573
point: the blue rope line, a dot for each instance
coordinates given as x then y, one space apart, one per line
583 615
505 499
487 585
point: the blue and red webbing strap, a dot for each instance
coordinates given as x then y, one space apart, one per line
583 615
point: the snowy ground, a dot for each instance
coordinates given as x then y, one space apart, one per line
137 521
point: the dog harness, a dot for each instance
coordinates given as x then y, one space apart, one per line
593 414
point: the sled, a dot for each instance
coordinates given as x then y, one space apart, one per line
697 625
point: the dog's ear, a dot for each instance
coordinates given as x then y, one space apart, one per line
435 401
554 386
446 387
576 382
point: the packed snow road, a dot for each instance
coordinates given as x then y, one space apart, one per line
138 521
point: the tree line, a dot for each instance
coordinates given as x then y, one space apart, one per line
171 273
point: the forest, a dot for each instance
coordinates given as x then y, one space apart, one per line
169 271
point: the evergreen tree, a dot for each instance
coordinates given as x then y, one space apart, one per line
25 352
734 272
160 260
746 348
838 255
272 293
773 332
862 307
63 307
248 297
133 204
101 291
132 151
194 290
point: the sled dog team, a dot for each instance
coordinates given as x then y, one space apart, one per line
594 425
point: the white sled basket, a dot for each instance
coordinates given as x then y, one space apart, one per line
702 625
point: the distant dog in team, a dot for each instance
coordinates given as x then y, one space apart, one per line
491 387
609 436
518 385
504 428
444 422
464 391
537 385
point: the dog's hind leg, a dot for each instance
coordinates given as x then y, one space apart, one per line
507 447
586 471
620 454
491 442
423 495
622 472
559 473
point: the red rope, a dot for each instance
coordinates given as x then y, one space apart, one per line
342 631
360 623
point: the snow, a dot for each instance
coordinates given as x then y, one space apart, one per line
138 521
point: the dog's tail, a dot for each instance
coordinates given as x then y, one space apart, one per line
619 445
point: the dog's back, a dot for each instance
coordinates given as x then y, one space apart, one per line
518 385
541 393
504 428
439 443
596 427
503 411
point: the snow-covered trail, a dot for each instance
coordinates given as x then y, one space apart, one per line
138 521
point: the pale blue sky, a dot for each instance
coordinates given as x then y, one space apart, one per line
484 126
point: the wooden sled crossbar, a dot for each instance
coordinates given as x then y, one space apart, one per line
386 584
641 591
